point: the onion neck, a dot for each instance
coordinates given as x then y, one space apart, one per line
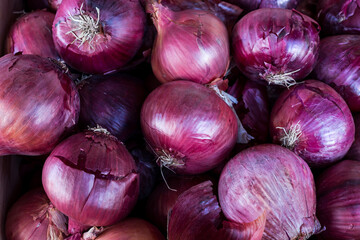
161 15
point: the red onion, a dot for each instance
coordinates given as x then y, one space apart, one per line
33 217
271 179
190 45
338 194
98 36
250 5
188 126
91 178
38 104
314 121
338 64
339 16
278 46
197 215
54 4
31 34
354 152
112 101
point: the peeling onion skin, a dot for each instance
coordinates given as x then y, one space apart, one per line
339 66
354 152
338 195
91 178
326 126
273 179
31 34
33 217
189 122
120 35
273 41
197 215
250 5
191 45
40 102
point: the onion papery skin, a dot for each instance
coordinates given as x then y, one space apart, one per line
190 45
112 101
271 179
339 17
131 229
318 121
162 199
38 103
91 178
354 152
338 196
114 43
339 66
276 46
250 5
188 126
31 34
33 217
197 215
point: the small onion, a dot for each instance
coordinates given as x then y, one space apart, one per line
188 126
250 5
271 179
33 217
98 36
31 34
197 215
112 101
338 66
313 120
91 178
38 104
191 45
354 152
338 207
278 46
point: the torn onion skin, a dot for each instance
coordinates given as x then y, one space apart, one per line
188 126
276 46
273 179
338 195
314 121
190 44
33 217
92 178
96 36
197 215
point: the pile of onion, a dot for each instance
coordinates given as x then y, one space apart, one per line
38 104
271 180
314 121
276 46
91 178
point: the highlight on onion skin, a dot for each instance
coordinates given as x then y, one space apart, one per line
191 45
276 46
98 36
31 34
197 215
338 196
33 217
250 5
314 121
354 151
338 66
91 178
39 104
273 179
189 128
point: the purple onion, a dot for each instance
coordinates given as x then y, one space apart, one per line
313 120
276 46
338 66
250 5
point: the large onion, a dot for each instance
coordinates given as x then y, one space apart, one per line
188 126
91 178
96 36
339 66
190 45
38 104
338 194
250 5
278 46
313 120
271 179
